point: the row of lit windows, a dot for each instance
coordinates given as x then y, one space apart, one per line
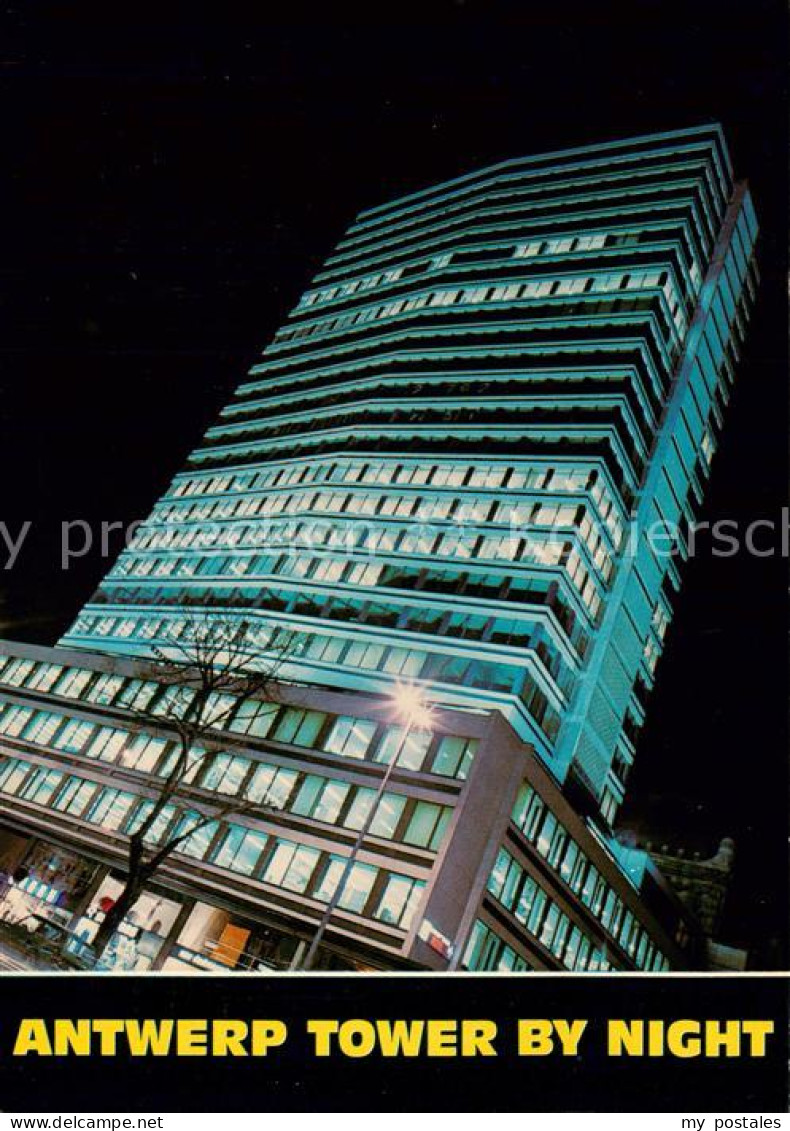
468 584
539 510
294 562
419 823
562 245
416 537
540 477
581 419
334 650
653 644
467 256
325 569
369 538
347 736
492 225
543 287
536 511
487 950
513 632
604 433
553 842
545 920
443 475
436 507
369 891
438 475
423 619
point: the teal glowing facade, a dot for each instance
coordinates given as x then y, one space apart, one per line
443 469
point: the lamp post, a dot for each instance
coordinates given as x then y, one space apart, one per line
414 714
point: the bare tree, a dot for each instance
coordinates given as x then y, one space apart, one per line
208 672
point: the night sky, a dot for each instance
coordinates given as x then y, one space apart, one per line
171 186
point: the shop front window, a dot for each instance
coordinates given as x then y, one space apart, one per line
213 939
141 935
41 886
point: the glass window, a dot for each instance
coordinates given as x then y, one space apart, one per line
320 798
330 801
569 860
427 824
509 960
546 834
356 890
74 795
291 865
399 900
105 689
306 797
571 954
73 736
474 947
110 808
42 727
198 843
138 693
12 773
40 785
15 719
106 744
279 861
454 756
528 811
299 727
159 826
530 904
172 763
499 872
297 875
549 924
224 772
411 754
388 814
144 754
360 808
350 737
18 672
271 785
254 718
240 850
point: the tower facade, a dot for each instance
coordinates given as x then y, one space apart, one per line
467 462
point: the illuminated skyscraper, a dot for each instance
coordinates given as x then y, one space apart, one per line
443 472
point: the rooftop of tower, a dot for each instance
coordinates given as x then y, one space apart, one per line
625 147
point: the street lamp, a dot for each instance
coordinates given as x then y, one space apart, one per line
413 713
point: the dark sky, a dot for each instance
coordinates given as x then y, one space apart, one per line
171 186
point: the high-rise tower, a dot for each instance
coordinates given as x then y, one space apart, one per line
467 461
